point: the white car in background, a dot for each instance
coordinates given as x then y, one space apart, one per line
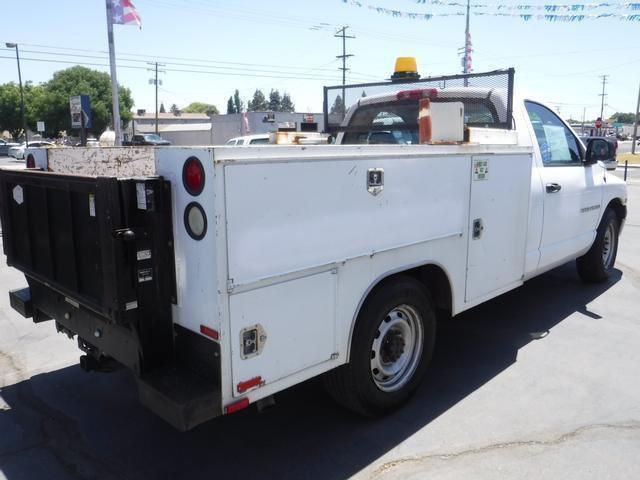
18 152
257 139
5 146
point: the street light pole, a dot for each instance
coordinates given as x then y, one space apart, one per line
24 117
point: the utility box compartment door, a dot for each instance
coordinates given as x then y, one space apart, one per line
498 218
296 319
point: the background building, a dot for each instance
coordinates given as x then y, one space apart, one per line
179 129
224 127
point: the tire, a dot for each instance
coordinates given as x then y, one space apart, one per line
395 335
597 264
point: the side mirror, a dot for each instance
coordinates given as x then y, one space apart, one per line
590 157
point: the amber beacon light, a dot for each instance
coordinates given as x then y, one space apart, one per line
406 69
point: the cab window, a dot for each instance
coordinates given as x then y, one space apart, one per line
397 122
387 124
558 146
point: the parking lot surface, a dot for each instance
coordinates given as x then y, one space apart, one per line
542 382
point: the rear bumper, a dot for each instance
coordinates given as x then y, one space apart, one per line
184 391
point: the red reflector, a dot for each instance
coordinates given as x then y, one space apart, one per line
244 386
239 405
209 332
193 176
417 94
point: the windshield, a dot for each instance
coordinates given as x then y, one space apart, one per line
152 137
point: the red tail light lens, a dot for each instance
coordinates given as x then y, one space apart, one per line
193 176
239 405
417 94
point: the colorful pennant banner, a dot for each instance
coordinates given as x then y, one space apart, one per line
551 7
523 16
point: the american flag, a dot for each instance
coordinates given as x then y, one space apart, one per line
124 13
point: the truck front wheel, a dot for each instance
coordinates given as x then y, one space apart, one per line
597 264
392 346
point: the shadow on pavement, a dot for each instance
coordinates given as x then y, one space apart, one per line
70 424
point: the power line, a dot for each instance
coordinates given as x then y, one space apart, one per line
281 69
185 70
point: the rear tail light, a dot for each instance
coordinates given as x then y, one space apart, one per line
31 162
209 332
195 221
239 405
193 176
417 94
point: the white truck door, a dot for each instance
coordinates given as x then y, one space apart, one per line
573 191
498 220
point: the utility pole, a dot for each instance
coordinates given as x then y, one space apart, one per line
156 82
635 126
342 33
604 82
467 47
24 117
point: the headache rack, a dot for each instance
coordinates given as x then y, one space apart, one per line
498 83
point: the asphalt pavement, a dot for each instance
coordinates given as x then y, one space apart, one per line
542 382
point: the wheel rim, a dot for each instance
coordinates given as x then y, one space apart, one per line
608 246
397 348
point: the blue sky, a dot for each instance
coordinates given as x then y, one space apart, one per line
245 44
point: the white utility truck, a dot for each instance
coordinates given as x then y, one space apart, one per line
223 275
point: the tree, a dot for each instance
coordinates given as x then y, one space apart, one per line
287 105
174 109
230 106
275 101
620 117
10 112
50 101
258 103
237 103
201 107
10 109
338 106
162 109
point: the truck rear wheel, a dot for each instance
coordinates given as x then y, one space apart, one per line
597 264
392 346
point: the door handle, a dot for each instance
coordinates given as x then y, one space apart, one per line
478 227
553 187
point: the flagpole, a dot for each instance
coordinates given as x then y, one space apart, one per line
114 79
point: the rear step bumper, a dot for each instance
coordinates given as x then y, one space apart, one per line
180 396
185 391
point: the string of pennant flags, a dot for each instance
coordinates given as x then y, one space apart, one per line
550 7
549 17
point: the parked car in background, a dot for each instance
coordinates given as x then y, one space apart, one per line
257 139
604 148
150 139
91 142
18 151
5 146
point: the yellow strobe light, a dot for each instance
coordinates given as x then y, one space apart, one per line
406 68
